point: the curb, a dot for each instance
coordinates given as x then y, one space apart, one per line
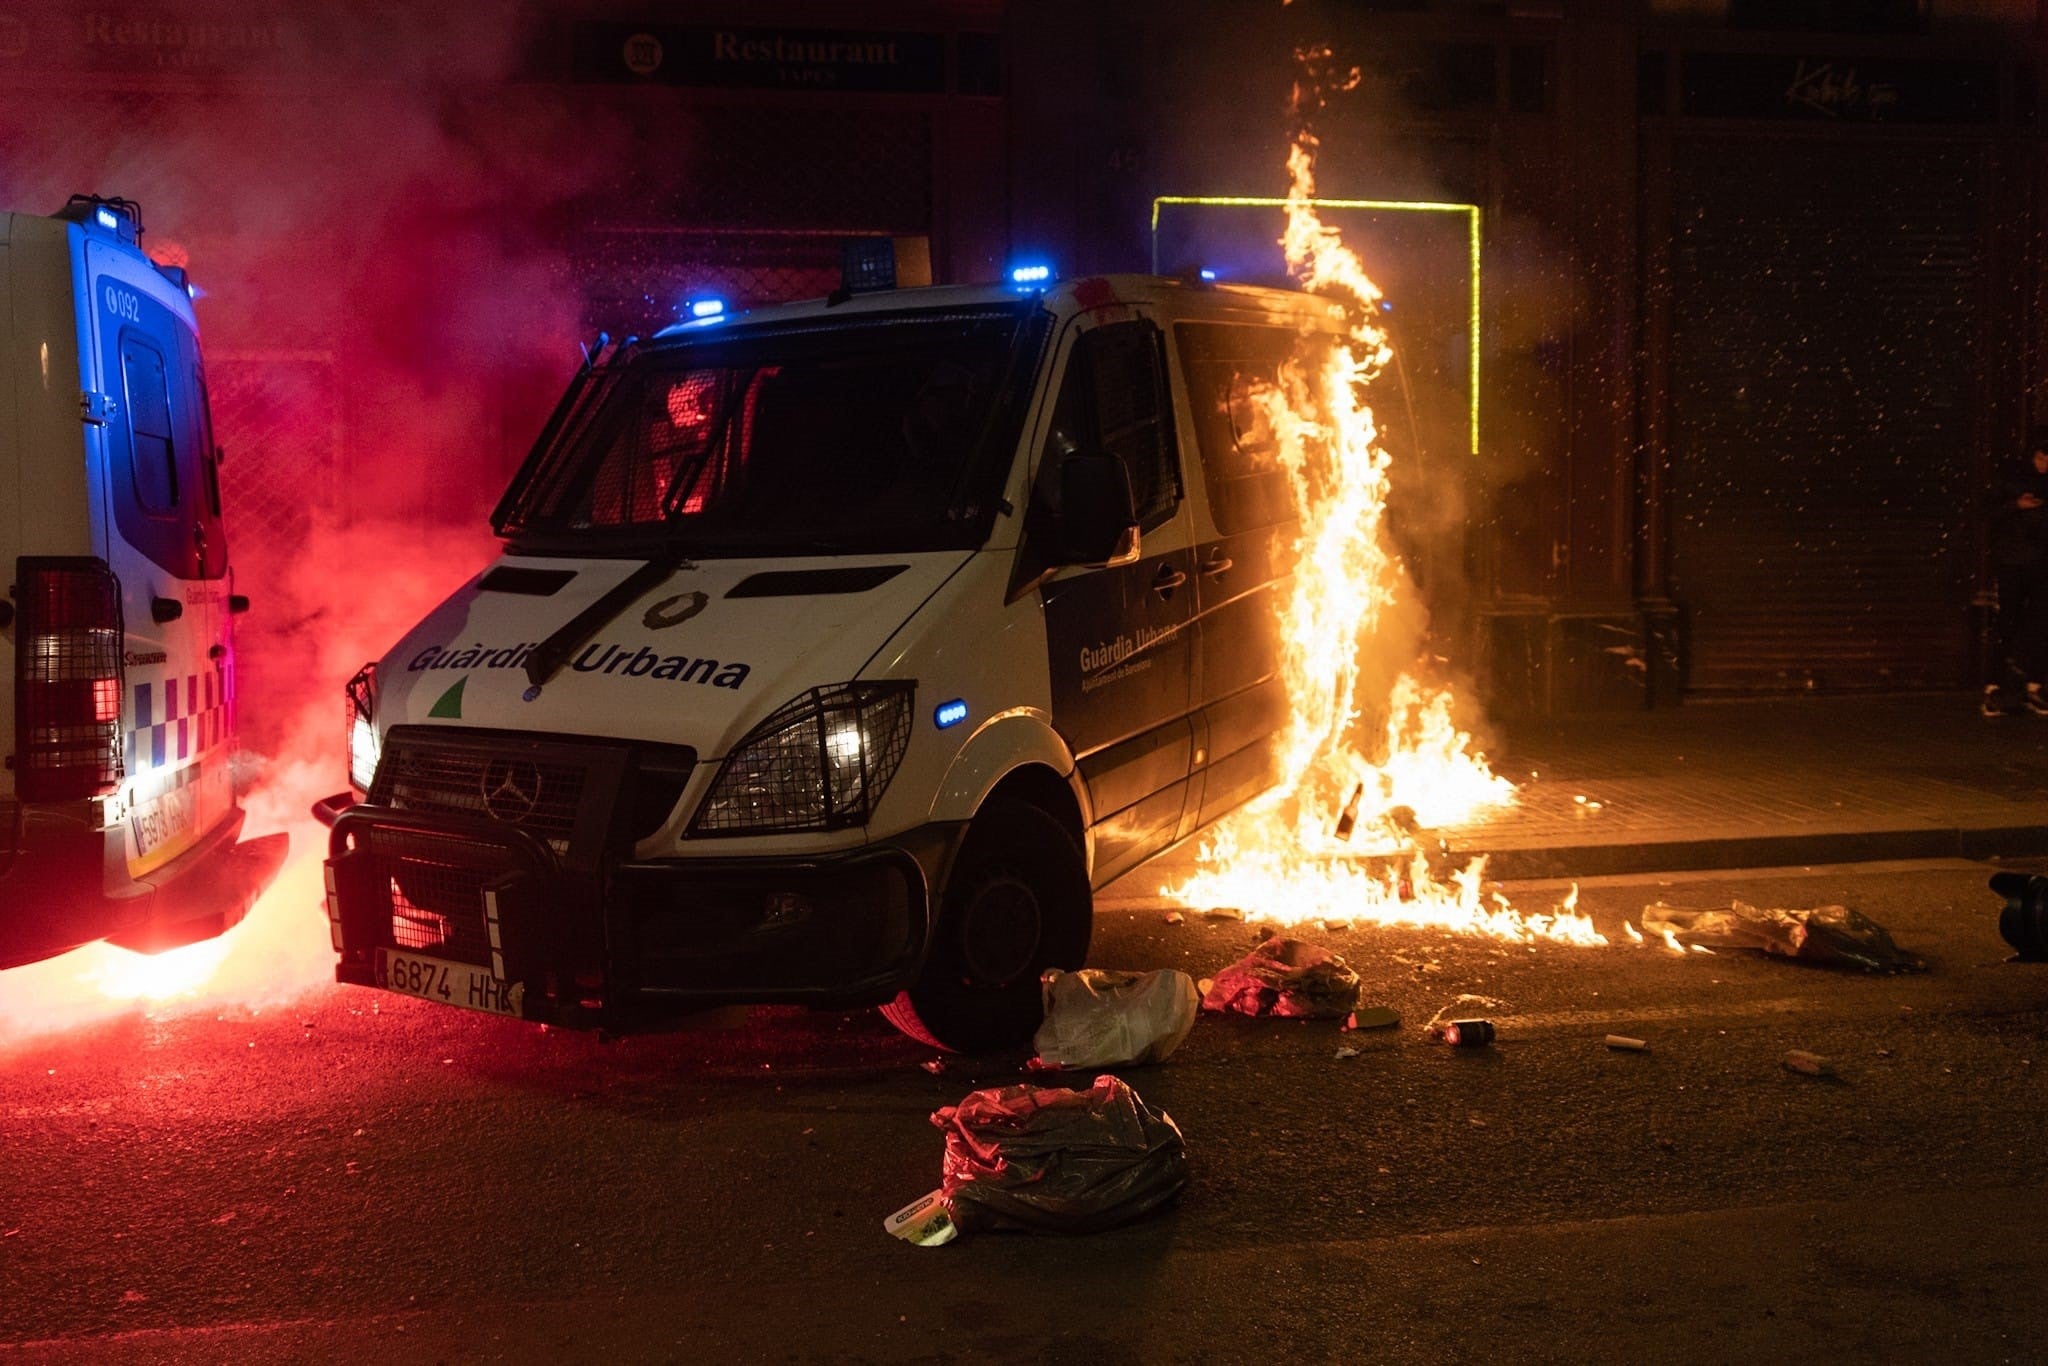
1761 851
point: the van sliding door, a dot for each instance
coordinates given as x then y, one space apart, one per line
1121 651
1241 559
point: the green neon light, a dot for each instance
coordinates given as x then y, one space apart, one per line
1471 212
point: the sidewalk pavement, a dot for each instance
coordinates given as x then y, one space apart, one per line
1764 783
1747 784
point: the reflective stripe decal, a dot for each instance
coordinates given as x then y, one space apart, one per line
195 717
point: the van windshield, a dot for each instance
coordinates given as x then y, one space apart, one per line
862 434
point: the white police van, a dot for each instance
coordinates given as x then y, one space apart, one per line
118 816
837 652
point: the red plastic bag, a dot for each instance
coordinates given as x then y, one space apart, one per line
1045 1159
1289 977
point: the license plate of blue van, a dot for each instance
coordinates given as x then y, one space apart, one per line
451 984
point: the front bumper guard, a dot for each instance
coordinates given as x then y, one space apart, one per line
484 887
638 943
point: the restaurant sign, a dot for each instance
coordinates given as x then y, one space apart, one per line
761 58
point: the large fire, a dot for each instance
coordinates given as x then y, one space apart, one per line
1336 839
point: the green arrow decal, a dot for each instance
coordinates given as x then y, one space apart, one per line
450 705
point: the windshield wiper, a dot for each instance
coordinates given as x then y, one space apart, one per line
551 654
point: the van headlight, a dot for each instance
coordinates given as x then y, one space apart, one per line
820 763
359 703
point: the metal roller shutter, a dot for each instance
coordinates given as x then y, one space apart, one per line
1826 324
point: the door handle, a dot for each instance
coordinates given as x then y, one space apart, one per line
1220 565
1167 579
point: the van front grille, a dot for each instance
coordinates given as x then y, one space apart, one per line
543 797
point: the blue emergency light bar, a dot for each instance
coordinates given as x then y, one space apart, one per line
1027 277
121 217
950 714
701 309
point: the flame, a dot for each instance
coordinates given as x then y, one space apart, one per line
123 976
1283 854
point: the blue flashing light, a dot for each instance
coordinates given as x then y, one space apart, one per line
107 219
701 309
1207 273
950 713
1025 277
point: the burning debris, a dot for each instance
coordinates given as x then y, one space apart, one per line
1829 936
1340 838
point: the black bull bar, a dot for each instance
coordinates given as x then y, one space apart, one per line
464 888
627 944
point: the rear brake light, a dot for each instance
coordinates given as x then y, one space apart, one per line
69 679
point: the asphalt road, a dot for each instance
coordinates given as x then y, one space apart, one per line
368 1178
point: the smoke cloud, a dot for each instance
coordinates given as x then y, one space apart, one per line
387 316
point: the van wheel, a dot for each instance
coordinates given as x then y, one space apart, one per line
1017 902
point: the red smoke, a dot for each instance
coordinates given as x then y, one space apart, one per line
387 316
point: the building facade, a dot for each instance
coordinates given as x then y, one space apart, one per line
1759 313
1757 320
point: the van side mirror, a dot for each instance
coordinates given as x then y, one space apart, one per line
1098 524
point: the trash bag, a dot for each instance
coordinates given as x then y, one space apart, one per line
1049 1160
1831 936
1289 977
1104 1019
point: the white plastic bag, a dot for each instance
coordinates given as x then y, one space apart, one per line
1095 1018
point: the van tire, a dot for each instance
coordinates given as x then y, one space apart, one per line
1016 903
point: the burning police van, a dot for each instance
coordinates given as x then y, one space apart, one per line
838 651
118 816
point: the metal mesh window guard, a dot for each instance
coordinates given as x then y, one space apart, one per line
68 675
819 763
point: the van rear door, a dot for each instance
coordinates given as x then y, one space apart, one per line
163 538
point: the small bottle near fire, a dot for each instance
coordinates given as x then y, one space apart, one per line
1348 821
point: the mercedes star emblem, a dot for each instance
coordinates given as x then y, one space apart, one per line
511 789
